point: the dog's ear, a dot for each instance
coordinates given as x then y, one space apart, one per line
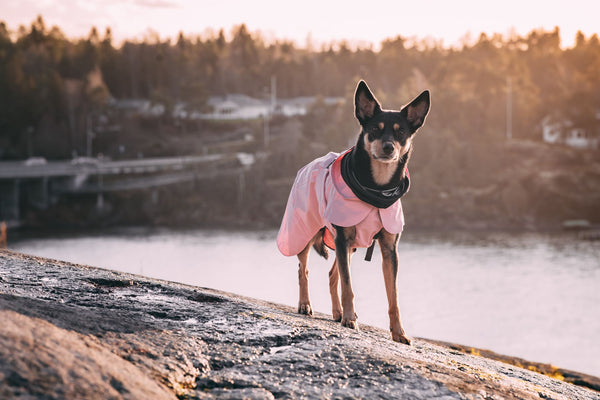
417 110
365 104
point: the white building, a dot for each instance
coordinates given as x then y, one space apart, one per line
239 106
235 106
557 131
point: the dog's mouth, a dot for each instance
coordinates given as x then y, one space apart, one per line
385 158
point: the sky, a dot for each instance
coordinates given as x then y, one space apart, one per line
316 21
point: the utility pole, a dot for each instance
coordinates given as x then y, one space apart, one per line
266 129
273 92
89 134
509 132
270 110
29 132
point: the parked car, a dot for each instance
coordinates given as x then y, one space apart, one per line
84 161
32 161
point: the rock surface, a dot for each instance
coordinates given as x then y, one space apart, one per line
71 331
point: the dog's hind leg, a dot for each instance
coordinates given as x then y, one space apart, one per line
388 243
304 300
334 279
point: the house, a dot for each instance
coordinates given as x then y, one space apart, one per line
579 138
301 105
239 106
234 106
562 131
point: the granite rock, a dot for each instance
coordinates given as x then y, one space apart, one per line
72 331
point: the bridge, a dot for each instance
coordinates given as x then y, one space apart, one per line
39 183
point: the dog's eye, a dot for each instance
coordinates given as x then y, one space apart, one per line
400 134
373 133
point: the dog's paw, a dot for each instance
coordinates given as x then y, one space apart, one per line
401 338
305 309
350 323
337 316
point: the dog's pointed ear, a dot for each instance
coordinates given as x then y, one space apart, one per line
365 104
417 110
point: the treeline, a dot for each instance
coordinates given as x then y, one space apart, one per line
51 85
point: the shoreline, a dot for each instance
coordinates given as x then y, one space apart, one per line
27 233
192 342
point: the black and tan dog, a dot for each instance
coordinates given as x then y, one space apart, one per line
349 200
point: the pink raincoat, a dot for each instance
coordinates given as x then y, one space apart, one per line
320 198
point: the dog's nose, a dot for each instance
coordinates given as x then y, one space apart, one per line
388 147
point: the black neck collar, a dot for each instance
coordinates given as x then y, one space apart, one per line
380 198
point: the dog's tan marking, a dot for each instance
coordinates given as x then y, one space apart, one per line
381 125
3 235
334 280
383 171
343 256
389 253
396 127
404 149
304 306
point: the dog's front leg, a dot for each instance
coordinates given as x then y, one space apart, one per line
389 251
304 306
343 251
336 306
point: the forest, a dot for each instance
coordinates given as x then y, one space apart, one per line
53 88
50 83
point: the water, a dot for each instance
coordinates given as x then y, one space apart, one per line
533 296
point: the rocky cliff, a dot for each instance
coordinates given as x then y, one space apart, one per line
71 331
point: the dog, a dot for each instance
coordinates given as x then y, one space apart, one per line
349 200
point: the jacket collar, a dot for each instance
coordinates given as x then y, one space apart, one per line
380 198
